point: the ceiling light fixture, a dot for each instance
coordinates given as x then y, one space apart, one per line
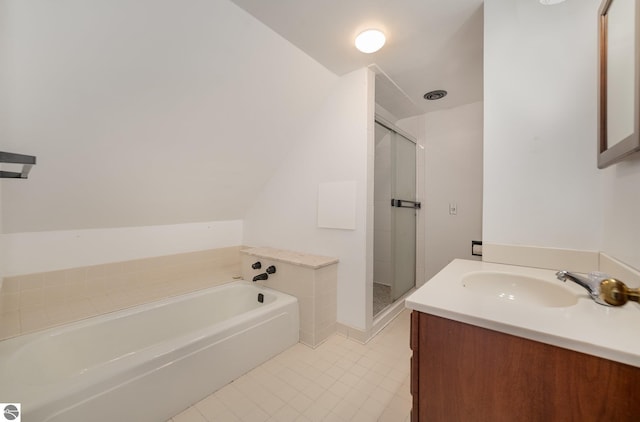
370 41
550 2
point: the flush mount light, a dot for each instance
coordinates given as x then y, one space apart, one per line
370 41
550 2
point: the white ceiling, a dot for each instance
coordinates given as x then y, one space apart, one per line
431 44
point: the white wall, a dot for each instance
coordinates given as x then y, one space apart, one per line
33 252
146 112
453 142
541 184
450 144
155 124
337 145
621 215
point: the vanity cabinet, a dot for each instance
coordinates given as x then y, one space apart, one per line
460 372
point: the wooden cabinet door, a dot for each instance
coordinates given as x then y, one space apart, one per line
465 373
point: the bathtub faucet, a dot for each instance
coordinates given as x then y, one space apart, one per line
262 276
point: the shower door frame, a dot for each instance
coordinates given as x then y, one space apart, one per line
399 132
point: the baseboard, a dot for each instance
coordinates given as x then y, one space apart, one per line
380 321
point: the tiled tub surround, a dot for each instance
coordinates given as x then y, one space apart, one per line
313 279
37 301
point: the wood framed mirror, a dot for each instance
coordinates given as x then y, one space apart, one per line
618 80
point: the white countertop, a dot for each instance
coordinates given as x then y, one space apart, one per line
607 332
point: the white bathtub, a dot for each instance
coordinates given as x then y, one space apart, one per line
146 363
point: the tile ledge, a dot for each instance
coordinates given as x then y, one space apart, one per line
296 258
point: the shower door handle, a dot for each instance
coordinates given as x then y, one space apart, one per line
403 203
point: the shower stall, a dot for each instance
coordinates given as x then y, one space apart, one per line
395 213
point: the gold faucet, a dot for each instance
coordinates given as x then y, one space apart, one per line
616 293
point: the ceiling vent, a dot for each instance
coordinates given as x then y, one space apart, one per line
435 95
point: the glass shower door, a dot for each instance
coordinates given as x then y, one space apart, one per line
394 240
403 215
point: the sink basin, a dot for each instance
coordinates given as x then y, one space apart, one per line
519 289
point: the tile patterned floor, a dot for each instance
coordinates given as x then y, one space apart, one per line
339 381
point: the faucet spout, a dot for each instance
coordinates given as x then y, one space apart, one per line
578 279
262 276
592 284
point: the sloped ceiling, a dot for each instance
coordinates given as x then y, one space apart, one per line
146 112
431 44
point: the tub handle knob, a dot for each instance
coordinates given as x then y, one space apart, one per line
271 269
256 265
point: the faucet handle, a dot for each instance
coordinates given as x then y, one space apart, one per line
616 293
